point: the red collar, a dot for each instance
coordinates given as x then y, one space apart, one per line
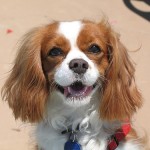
119 135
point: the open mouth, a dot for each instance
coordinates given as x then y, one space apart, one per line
76 89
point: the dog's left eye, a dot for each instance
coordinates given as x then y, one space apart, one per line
55 51
94 48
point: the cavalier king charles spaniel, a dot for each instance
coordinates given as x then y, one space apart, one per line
75 81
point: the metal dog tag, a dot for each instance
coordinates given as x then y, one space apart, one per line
72 143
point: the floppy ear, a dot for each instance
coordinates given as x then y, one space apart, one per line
26 90
121 97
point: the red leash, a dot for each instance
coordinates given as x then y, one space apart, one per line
118 136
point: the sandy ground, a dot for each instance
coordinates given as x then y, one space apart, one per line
18 16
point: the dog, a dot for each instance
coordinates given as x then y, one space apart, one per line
75 81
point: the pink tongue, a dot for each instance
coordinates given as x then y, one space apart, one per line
68 91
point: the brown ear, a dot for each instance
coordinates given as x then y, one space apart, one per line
26 90
121 97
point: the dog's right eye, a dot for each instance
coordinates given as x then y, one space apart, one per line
94 48
55 51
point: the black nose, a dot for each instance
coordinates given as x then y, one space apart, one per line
78 66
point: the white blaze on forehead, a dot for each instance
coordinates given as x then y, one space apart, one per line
70 30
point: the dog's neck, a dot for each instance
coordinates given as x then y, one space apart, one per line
62 116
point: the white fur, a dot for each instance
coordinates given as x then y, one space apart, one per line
60 116
70 30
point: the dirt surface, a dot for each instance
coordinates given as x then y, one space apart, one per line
18 16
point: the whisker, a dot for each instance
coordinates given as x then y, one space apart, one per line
52 85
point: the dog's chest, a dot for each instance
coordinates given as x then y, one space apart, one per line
90 136
49 139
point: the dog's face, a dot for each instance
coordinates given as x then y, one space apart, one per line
74 59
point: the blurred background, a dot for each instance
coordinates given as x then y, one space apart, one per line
131 18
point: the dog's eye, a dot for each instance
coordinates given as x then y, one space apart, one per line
55 51
94 48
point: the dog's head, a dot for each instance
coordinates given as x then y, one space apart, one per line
74 59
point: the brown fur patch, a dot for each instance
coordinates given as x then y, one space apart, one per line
121 97
26 89
91 34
